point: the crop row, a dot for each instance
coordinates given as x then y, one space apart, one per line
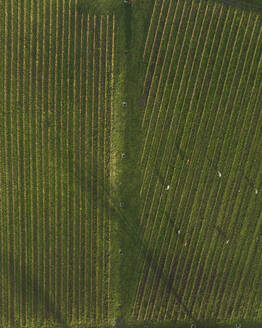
168 133
157 39
190 265
55 132
156 193
197 40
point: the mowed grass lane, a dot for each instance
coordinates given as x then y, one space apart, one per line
56 114
202 93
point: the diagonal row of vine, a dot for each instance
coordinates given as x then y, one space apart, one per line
200 164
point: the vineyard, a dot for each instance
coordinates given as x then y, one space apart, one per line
130 164
200 165
57 69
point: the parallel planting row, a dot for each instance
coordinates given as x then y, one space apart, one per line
200 220
57 72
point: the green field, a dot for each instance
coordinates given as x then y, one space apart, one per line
171 234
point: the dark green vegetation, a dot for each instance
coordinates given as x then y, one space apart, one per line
190 72
250 4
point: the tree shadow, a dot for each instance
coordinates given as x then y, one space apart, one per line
129 227
249 182
212 164
221 232
30 287
181 152
159 175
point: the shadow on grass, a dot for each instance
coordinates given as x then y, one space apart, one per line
128 25
129 227
30 287
255 5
